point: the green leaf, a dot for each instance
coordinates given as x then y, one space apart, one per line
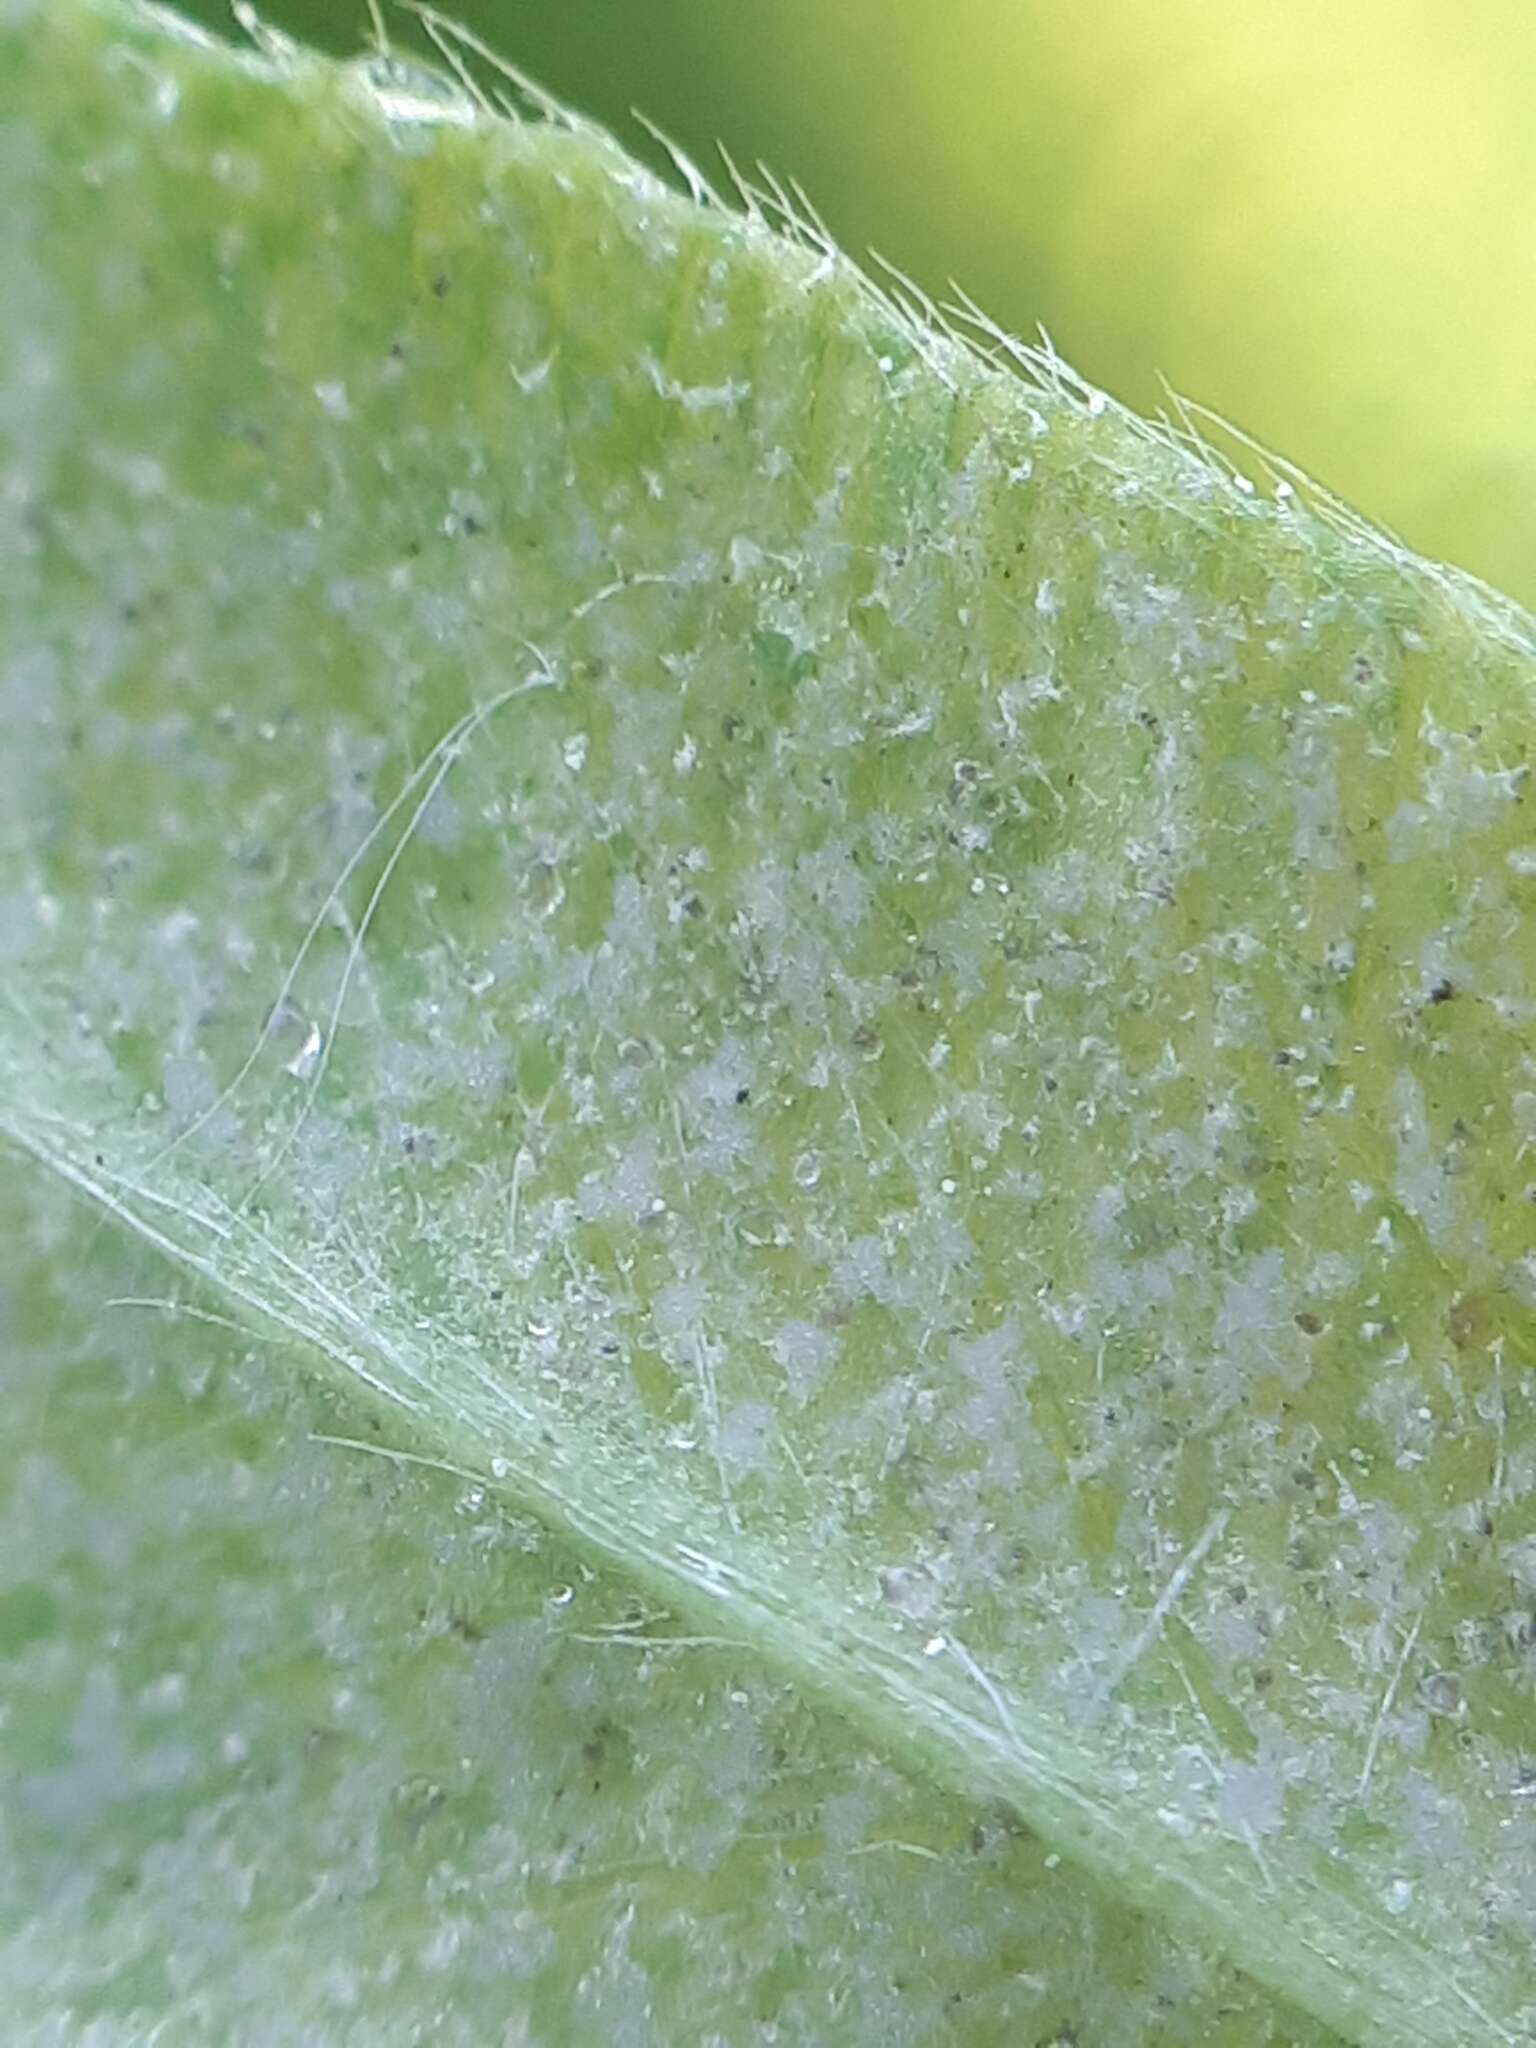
306 1745
855 981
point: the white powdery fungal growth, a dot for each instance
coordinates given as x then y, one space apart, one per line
865 999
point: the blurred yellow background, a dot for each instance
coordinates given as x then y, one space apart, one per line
1315 216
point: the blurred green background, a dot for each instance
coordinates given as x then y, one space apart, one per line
1314 216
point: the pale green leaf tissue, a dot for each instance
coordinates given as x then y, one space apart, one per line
770 1262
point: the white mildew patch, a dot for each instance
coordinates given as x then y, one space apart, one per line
827 959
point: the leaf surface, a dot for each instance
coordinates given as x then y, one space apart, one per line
854 980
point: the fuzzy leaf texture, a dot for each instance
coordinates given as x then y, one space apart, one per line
890 1021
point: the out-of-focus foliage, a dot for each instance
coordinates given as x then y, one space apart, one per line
1313 218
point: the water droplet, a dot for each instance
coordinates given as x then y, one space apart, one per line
1442 1694
307 1058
